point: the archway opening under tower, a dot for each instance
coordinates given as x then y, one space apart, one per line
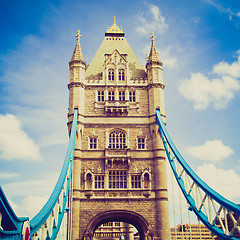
116 231
128 222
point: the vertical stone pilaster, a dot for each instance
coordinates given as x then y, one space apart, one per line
160 186
156 100
76 88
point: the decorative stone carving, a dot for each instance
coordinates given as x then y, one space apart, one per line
116 107
117 158
99 169
88 193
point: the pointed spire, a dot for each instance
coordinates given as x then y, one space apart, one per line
153 55
77 54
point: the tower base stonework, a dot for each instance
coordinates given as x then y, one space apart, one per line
119 172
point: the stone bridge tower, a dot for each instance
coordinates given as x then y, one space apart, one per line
119 164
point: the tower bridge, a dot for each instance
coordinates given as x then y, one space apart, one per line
115 165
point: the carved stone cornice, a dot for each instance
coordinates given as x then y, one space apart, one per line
76 84
119 193
76 63
156 85
153 64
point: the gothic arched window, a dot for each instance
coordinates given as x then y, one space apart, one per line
121 75
111 74
132 96
111 95
121 95
117 139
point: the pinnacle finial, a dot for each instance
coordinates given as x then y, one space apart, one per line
114 28
78 35
152 37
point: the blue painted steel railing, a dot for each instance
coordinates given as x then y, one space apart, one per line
11 227
46 224
220 216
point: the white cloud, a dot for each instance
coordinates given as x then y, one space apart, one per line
203 91
33 194
29 206
6 175
31 187
151 21
14 142
169 61
33 204
36 90
224 68
213 151
232 14
221 180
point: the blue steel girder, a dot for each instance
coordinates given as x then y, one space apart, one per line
220 216
11 226
46 224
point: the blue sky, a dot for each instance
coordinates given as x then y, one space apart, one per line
198 42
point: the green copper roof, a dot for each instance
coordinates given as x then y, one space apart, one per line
109 44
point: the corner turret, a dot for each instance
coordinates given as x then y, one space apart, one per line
154 68
77 67
153 58
77 54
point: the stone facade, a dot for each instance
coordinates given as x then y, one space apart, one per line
119 169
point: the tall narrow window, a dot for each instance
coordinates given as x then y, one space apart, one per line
117 139
100 96
93 143
111 74
121 95
121 75
111 96
132 96
141 143
117 179
136 181
99 182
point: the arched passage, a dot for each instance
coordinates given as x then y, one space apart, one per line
119 216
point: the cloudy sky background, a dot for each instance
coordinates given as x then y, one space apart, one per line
198 42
